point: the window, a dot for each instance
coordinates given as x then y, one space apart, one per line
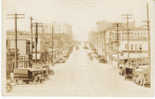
135 46
131 46
126 46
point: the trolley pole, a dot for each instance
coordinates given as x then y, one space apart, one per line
37 25
148 30
128 16
117 26
52 45
16 17
105 44
31 30
36 40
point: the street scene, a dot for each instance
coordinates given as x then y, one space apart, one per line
69 53
80 76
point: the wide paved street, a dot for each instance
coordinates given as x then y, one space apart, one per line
81 77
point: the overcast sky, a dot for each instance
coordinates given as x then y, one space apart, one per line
81 14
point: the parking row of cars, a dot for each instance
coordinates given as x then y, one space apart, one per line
63 57
93 55
138 73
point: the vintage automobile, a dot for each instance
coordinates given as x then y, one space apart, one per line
102 60
142 76
147 82
90 56
23 75
8 86
121 66
30 75
61 60
121 70
125 69
129 73
46 71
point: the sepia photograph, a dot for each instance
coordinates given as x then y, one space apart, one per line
92 48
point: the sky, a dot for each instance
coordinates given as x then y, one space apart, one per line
81 14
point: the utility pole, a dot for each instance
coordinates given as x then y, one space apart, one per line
37 25
16 17
36 40
149 41
52 44
97 42
31 49
110 45
102 42
117 26
105 46
148 30
31 30
128 17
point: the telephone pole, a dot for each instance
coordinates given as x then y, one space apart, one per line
102 42
16 16
52 45
37 25
117 26
149 41
128 17
97 41
31 30
148 30
105 44
31 43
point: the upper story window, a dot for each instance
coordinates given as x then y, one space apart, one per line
135 46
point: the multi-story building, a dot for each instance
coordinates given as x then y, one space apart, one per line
98 39
122 44
131 44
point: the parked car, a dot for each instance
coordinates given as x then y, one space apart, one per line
142 76
121 67
128 73
46 71
102 60
8 86
61 60
147 82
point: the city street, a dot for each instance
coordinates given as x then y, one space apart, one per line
80 76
